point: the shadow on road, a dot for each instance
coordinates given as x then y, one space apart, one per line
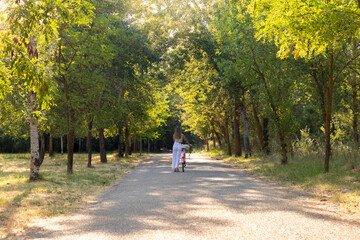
208 195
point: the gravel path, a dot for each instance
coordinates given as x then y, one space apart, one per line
209 201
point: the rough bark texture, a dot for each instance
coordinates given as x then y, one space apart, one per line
247 147
102 145
34 138
42 147
237 131
88 139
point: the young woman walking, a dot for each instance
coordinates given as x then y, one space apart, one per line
178 137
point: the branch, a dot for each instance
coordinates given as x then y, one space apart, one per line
347 64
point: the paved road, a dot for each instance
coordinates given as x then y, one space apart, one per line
209 201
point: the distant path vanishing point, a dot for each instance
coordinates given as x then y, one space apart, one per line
211 200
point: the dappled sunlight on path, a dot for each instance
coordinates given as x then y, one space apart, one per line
210 200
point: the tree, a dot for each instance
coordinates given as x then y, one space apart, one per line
308 29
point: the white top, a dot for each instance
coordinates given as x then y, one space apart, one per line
179 140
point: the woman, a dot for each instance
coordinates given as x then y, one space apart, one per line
178 137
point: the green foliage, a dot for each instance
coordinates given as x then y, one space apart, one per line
306 28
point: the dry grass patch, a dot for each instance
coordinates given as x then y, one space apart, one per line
56 192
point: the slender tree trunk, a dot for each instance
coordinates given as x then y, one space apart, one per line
88 141
34 138
329 96
121 142
227 137
213 139
207 143
127 135
71 128
259 129
237 131
141 138
355 109
70 150
42 147
135 144
245 121
79 145
51 145
266 148
102 145
284 159
61 145
130 148
148 140
218 138
34 134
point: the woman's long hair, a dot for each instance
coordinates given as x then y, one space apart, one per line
177 133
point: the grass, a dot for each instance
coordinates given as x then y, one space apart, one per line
305 172
56 192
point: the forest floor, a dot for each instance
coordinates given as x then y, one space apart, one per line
56 193
210 200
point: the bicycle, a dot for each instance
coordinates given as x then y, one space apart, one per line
184 147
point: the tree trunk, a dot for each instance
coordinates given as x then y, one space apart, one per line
61 145
355 114
329 95
121 142
148 145
227 137
276 115
259 129
42 147
135 144
218 138
141 139
266 148
88 143
70 150
34 138
207 143
284 158
127 135
213 139
102 145
79 145
290 146
51 145
237 132
130 148
245 121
